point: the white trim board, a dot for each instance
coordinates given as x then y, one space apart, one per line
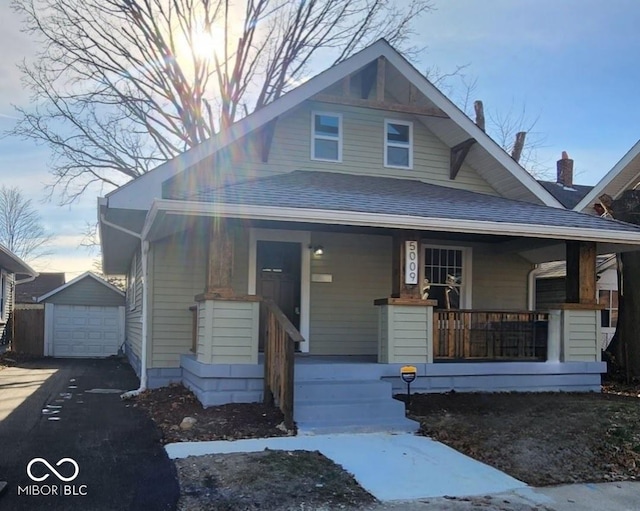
302 237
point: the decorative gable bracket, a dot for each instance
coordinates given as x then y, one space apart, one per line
458 154
266 138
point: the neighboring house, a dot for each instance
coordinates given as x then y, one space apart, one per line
83 318
550 277
13 270
363 203
28 292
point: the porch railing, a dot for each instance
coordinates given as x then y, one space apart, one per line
280 337
489 335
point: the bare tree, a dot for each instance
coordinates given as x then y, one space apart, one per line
119 86
21 229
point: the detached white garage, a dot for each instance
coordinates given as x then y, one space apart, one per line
84 318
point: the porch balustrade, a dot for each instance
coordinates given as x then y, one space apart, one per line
280 338
489 335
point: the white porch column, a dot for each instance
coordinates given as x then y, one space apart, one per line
554 336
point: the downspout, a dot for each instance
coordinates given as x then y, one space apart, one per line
531 288
145 303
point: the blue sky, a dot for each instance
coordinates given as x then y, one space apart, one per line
571 63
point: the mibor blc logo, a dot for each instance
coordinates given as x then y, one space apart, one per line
65 470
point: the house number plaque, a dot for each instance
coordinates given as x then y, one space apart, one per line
411 262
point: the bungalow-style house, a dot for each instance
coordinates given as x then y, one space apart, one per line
357 224
13 270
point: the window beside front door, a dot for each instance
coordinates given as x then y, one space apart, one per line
609 298
398 144
444 276
326 136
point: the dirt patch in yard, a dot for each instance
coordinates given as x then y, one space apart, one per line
169 406
266 481
542 439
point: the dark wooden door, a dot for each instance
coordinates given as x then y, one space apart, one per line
278 278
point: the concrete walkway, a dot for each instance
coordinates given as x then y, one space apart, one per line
390 467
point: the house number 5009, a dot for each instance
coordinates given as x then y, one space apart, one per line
411 262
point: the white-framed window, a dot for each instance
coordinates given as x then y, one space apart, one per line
446 276
326 136
132 283
398 144
3 296
609 298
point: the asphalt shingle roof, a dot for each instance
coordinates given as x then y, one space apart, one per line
568 197
382 195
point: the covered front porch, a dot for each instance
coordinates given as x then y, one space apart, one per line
446 286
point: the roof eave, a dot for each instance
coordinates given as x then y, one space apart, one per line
162 208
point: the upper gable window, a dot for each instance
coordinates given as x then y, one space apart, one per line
326 136
398 144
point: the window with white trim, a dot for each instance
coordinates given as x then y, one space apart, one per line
132 283
444 277
609 298
326 136
398 144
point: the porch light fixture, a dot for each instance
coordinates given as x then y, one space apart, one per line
318 250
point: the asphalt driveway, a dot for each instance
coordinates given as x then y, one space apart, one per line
57 409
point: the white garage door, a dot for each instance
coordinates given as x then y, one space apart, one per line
85 331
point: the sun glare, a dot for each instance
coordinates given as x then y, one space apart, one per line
206 42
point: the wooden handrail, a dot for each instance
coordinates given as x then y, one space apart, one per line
279 352
286 323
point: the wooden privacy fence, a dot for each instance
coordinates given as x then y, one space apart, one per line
28 330
489 335
280 337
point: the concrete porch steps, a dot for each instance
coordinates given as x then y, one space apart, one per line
347 406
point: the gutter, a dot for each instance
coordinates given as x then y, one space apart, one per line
145 303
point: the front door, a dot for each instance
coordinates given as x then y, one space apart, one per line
278 278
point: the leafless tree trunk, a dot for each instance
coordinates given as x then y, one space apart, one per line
625 345
120 86
21 229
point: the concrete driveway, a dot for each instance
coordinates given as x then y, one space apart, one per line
95 450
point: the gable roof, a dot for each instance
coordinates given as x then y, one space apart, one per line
12 263
85 275
622 176
568 197
28 292
505 175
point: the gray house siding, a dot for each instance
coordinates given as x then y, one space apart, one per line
87 292
550 292
344 320
500 281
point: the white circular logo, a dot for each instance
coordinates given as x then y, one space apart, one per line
76 469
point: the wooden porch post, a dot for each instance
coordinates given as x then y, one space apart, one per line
220 259
581 272
406 247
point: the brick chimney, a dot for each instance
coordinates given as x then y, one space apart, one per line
565 171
